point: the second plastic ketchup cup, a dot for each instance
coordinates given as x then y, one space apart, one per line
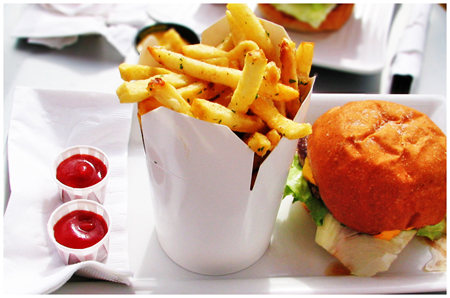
81 172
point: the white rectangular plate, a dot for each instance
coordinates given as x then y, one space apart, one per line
293 262
360 46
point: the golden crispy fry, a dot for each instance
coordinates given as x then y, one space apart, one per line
227 44
224 98
286 127
148 105
235 31
219 61
274 138
288 63
304 58
216 113
202 51
194 68
258 142
216 74
248 86
252 29
176 80
271 77
241 49
194 90
289 74
130 72
136 91
203 90
167 95
281 106
271 88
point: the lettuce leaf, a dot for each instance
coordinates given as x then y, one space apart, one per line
362 254
313 14
434 232
297 186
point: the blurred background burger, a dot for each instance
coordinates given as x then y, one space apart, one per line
308 17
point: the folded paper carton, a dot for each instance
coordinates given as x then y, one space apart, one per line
208 219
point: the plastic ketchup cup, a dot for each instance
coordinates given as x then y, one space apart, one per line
81 172
80 231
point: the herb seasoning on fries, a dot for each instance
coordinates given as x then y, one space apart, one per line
242 83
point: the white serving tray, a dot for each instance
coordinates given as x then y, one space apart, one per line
293 263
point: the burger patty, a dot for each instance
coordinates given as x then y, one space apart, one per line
302 150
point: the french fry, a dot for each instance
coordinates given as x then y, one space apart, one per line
281 106
216 74
248 86
274 138
192 91
224 98
226 44
289 74
252 29
147 105
130 72
272 74
242 49
237 36
288 63
304 58
216 113
203 90
258 142
218 61
167 95
136 91
273 118
202 51
194 68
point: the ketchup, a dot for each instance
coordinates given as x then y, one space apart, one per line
81 170
80 229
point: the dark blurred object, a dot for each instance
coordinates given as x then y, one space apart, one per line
401 84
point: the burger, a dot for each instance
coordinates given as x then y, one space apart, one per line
308 17
372 175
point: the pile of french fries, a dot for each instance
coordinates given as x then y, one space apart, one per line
243 82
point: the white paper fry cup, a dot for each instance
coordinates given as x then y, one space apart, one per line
96 192
98 251
207 218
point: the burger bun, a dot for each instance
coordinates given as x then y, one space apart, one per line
379 166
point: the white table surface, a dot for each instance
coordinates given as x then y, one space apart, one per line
91 65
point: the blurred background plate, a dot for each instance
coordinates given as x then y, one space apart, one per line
360 46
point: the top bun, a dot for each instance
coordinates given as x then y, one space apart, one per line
334 21
379 166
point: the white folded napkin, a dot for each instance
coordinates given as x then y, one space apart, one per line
43 123
410 42
59 25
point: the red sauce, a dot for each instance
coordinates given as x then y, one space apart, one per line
337 269
80 229
81 170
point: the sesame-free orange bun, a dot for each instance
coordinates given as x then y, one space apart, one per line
333 21
379 166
